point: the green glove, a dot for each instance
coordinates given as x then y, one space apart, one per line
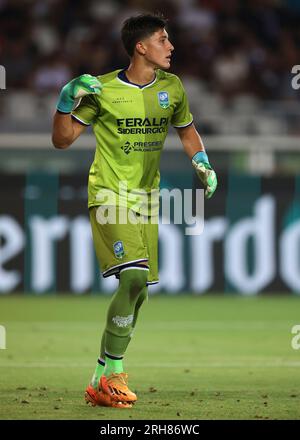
77 88
205 173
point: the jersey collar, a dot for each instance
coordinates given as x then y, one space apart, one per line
123 79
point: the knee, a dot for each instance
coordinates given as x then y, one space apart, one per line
135 280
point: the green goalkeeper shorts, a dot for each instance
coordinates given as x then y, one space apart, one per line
120 245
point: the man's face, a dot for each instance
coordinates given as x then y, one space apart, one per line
158 49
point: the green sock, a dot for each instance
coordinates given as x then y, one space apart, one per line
98 373
116 366
102 347
143 296
113 365
120 314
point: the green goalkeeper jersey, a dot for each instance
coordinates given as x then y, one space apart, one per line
130 123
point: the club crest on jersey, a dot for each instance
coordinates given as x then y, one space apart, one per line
119 249
163 99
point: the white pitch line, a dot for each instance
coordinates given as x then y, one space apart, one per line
291 364
157 325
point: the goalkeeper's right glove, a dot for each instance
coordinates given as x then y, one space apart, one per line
77 88
205 173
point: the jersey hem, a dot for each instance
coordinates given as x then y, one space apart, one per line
80 120
183 126
134 267
116 269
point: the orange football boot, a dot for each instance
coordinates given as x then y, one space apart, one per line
98 397
116 386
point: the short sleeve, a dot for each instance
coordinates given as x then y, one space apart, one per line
87 110
182 116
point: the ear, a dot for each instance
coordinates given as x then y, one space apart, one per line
140 48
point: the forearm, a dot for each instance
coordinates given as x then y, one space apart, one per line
191 140
63 130
194 148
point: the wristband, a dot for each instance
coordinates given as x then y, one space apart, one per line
65 103
200 156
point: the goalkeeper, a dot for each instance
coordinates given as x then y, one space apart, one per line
130 111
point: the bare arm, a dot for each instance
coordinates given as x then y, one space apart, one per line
192 144
65 130
191 140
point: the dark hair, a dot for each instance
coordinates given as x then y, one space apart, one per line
139 27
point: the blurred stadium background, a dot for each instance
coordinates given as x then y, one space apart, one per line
235 59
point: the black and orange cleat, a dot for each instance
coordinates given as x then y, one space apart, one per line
96 397
116 386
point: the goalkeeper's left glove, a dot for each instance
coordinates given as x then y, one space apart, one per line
77 88
205 173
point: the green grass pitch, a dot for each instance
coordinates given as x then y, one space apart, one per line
191 358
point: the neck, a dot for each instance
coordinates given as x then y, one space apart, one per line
140 75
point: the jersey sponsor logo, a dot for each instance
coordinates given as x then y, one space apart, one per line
143 147
163 99
146 130
140 122
126 147
119 249
142 126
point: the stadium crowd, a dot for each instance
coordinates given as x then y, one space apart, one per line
234 57
232 46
